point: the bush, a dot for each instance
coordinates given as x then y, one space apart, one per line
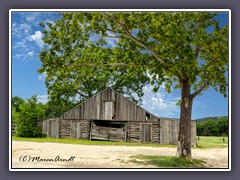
30 112
213 128
28 129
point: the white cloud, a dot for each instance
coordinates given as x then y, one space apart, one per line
20 44
42 98
22 51
19 56
21 48
21 30
31 18
160 103
36 17
26 34
30 54
24 55
42 77
37 37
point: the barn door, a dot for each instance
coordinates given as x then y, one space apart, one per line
146 132
109 110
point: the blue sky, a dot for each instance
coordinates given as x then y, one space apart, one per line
27 42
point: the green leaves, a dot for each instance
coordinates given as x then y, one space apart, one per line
211 127
88 51
26 119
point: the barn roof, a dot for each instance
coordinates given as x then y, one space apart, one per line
108 88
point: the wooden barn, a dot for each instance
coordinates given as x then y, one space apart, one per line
110 116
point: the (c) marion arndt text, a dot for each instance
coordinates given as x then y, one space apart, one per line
28 158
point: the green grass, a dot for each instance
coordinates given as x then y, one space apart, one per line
212 142
88 142
205 142
168 161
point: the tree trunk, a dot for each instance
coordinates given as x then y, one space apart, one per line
184 136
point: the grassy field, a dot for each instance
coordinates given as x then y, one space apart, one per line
168 161
204 142
212 142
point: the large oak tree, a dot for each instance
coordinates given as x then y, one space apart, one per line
87 51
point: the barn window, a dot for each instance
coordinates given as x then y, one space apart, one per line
147 116
102 123
116 124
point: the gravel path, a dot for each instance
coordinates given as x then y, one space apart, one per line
42 155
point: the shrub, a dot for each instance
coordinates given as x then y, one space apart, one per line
30 112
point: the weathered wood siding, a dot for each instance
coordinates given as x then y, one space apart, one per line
170 129
133 134
106 105
156 132
14 128
194 133
164 132
79 129
145 132
50 127
107 133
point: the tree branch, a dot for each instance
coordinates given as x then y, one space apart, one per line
153 53
199 24
81 94
143 45
113 31
208 64
201 88
197 50
117 37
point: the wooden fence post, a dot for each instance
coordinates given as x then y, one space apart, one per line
90 133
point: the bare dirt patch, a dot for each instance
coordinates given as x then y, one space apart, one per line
25 155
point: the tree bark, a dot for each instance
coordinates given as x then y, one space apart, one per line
184 137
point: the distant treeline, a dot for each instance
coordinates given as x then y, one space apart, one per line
212 126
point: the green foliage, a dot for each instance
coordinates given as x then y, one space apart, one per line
16 103
223 126
215 118
51 109
213 128
15 115
86 52
168 161
56 107
30 111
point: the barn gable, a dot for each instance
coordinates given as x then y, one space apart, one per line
109 105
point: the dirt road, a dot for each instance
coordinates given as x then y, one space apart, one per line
56 155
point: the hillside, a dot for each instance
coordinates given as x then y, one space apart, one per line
216 118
